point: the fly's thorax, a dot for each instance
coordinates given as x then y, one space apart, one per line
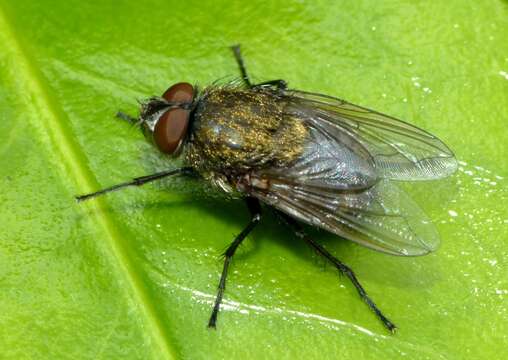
236 130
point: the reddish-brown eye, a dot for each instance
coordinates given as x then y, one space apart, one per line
180 92
170 130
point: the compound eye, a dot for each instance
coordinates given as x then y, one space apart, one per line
180 92
171 129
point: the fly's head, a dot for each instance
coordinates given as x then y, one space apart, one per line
165 120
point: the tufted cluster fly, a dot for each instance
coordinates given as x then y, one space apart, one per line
315 159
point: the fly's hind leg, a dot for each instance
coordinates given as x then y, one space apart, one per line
255 212
279 84
343 269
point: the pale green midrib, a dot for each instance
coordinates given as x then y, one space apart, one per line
68 152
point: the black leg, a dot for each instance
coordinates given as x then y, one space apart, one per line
127 117
255 212
345 270
139 181
241 65
279 84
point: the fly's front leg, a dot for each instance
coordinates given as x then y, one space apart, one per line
139 181
127 117
344 269
255 212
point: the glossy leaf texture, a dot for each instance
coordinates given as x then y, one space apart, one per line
133 274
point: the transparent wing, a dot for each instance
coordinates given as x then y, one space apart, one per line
399 150
331 159
383 217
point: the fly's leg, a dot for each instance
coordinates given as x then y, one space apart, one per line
127 117
279 84
344 269
241 65
139 181
255 212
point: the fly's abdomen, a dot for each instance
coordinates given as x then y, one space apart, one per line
240 130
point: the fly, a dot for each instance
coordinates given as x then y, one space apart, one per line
314 158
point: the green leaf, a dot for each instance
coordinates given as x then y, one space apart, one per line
134 274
